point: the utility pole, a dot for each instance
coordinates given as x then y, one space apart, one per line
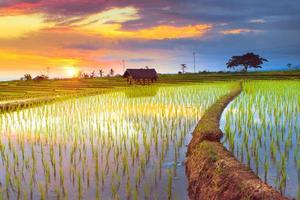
194 54
123 63
183 66
48 71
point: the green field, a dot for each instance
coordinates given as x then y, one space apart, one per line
121 141
262 129
12 90
128 144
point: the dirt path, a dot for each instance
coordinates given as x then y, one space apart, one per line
212 171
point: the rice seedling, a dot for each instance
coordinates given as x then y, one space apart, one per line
170 182
268 122
114 143
42 191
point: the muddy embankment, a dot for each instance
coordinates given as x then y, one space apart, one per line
212 171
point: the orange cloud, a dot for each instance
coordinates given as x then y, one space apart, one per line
33 42
109 24
16 59
20 25
106 23
32 62
171 32
156 32
239 31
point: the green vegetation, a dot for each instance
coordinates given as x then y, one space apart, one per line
108 146
262 129
129 141
213 172
12 90
208 127
248 60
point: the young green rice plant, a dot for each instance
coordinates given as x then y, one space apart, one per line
128 189
7 182
135 194
57 192
266 168
170 182
107 135
42 191
114 189
88 177
146 191
264 121
18 185
79 183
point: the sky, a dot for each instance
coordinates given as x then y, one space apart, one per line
36 35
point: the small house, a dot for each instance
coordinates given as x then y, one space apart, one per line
141 76
41 78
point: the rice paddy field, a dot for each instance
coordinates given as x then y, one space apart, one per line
26 90
128 144
262 130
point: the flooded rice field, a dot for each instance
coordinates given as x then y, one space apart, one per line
262 129
122 145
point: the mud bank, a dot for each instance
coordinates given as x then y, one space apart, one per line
212 171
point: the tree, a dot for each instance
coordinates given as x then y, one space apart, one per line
248 60
101 72
79 74
27 77
183 67
111 72
86 75
93 74
289 66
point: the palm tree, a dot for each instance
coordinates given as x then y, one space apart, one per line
27 77
101 72
289 65
183 66
111 72
86 75
93 74
79 74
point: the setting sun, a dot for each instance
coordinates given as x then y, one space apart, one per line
71 71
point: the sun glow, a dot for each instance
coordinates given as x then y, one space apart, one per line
71 71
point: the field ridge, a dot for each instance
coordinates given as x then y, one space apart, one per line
212 171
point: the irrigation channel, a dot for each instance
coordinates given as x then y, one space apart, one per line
121 145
